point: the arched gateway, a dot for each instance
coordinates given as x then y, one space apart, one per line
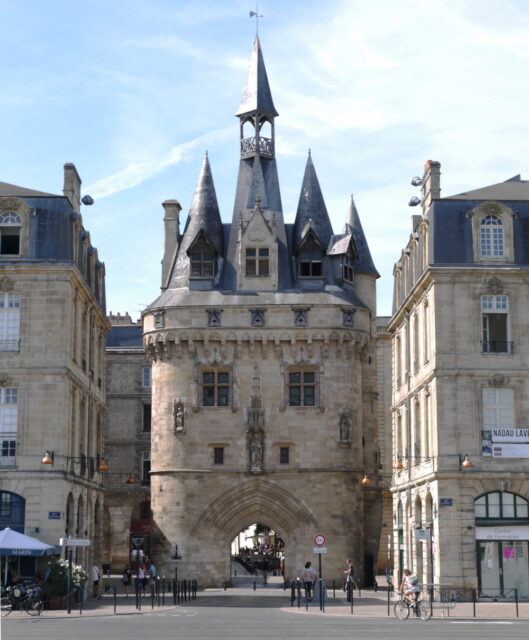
262 345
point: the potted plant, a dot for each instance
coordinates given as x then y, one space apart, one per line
57 583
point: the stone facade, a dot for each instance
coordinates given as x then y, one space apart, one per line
460 370
127 443
264 371
52 367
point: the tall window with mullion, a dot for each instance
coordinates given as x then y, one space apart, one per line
257 261
9 321
495 324
347 267
302 388
215 388
203 261
8 425
491 237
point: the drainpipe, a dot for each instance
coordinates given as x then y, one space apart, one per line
408 433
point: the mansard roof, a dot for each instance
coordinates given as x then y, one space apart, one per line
364 262
512 189
7 189
311 210
204 213
256 95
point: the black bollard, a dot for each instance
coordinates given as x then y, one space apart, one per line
516 600
163 591
333 589
254 585
115 598
389 605
292 593
474 602
225 585
298 585
174 592
81 592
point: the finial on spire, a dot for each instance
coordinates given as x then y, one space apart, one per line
257 16
205 153
309 153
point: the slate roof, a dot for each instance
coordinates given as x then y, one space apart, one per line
256 95
127 337
364 262
311 209
513 189
7 189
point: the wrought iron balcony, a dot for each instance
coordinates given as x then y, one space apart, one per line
497 346
257 146
10 345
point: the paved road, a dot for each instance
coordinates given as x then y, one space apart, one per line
246 617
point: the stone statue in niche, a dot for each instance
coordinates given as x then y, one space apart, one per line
255 419
344 426
159 319
179 417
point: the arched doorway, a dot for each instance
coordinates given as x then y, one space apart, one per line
502 544
258 551
140 533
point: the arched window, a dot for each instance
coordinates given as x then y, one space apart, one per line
418 511
310 259
491 236
10 225
501 506
400 515
203 260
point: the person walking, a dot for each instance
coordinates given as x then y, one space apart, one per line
152 577
308 577
126 579
141 578
349 576
95 581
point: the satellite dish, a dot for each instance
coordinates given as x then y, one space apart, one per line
87 200
414 201
416 182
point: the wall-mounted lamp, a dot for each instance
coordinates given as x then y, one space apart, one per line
399 465
365 480
130 479
48 458
464 462
102 466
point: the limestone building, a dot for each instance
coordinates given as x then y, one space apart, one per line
264 379
52 367
461 388
127 522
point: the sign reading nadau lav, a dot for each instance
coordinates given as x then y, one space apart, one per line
510 434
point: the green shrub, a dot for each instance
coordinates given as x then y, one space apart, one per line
57 583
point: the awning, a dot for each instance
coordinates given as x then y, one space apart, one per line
13 543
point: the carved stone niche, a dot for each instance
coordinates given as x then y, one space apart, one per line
498 380
258 317
348 317
159 319
214 317
301 317
179 416
6 284
344 426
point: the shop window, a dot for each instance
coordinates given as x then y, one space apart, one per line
495 324
302 388
215 388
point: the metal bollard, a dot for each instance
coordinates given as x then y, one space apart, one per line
254 585
333 589
158 589
322 596
389 605
474 602
516 600
163 591
115 598
81 591
225 585
298 585
292 593
174 592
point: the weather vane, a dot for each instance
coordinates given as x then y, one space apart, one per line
257 16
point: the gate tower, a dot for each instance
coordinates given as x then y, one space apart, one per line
262 345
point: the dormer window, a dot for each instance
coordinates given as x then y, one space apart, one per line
10 225
347 267
257 261
310 259
491 237
203 260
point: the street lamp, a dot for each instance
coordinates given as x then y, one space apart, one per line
48 458
464 462
365 480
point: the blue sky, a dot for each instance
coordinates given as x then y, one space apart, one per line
134 92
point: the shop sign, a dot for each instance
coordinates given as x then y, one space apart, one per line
516 532
422 535
510 450
509 434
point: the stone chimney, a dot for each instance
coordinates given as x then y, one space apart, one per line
172 230
72 186
431 183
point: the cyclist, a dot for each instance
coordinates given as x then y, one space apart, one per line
409 583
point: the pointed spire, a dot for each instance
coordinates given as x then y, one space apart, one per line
257 186
204 212
312 209
364 263
256 95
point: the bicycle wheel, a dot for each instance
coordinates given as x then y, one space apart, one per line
424 610
5 607
33 606
401 609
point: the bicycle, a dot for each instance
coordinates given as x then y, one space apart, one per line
27 599
421 609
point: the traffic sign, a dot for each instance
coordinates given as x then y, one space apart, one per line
74 542
319 540
319 549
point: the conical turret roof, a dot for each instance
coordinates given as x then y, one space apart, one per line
311 209
256 95
364 263
257 186
204 213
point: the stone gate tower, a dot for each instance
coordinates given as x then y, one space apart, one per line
262 345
